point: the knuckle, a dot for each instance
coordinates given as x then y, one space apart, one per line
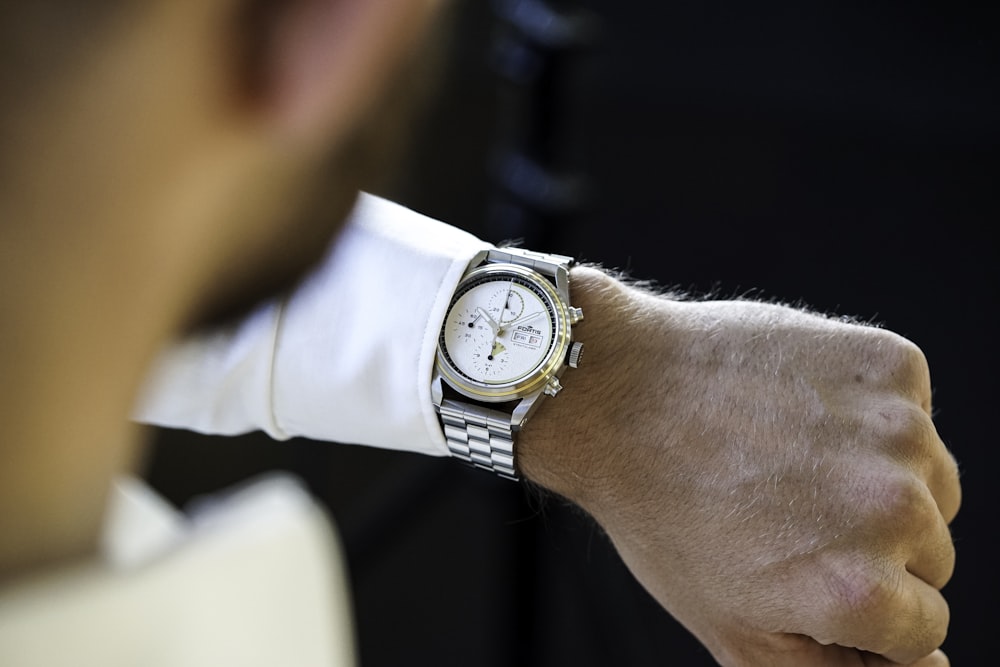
858 594
902 500
868 606
949 496
910 357
904 354
906 422
903 430
898 359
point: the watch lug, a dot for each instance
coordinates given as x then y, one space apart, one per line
437 392
476 261
523 411
562 283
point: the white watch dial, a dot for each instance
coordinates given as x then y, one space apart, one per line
498 330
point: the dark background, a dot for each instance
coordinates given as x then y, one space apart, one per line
839 154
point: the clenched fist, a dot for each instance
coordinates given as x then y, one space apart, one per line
772 477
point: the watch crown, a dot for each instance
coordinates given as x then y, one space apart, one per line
575 354
575 315
553 387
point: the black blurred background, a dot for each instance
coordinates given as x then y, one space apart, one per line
843 155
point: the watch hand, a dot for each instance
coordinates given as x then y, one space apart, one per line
526 318
480 312
506 301
493 324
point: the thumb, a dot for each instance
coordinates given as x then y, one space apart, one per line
935 659
790 650
803 651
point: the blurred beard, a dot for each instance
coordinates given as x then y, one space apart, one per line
365 160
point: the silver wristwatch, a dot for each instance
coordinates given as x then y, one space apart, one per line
505 342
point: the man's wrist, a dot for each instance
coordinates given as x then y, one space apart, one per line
563 446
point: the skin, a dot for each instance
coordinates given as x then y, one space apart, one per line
180 165
773 478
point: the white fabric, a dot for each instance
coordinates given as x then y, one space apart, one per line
348 358
139 525
256 580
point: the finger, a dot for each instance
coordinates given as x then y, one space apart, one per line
943 482
891 613
796 651
909 435
938 467
904 366
934 558
918 626
906 523
935 659
791 650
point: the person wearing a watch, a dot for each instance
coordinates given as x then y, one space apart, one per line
772 477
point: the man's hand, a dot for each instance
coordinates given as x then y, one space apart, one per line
772 477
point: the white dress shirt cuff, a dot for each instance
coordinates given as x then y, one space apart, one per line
347 358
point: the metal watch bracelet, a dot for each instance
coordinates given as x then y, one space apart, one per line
480 436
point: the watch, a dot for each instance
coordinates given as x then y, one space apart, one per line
505 342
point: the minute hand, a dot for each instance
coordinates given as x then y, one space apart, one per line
526 318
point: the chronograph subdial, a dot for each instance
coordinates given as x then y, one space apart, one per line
491 361
470 328
508 304
486 352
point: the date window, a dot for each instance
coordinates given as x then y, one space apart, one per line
527 340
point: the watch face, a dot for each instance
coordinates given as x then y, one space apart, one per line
500 329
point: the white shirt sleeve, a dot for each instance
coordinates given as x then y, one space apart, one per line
347 358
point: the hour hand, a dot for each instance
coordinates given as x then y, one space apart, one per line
486 316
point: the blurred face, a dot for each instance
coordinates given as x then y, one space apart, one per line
221 140
313 209
164 165
314 205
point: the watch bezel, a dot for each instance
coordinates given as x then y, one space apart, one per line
535 380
